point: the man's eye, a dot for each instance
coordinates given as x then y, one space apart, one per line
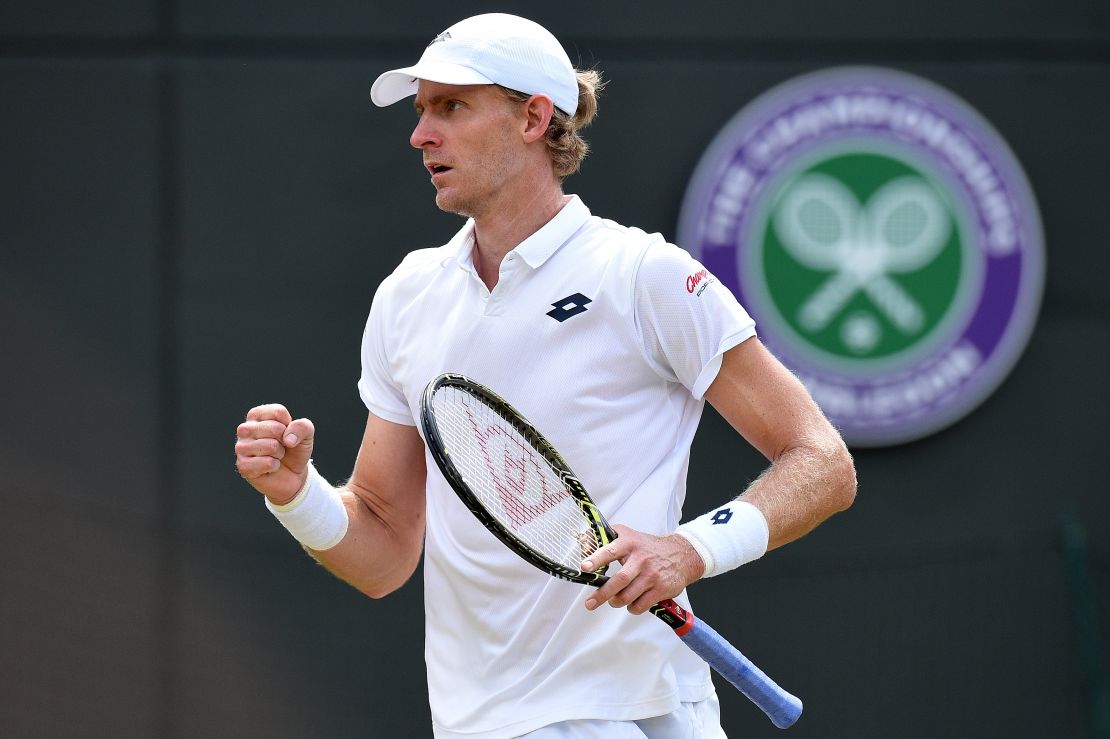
453 105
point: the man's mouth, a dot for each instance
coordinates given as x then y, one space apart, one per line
435 168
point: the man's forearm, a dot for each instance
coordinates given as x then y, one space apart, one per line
804 486
376 556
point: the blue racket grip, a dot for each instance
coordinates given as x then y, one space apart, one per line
781 707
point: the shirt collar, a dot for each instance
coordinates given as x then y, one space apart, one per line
462 244
537 248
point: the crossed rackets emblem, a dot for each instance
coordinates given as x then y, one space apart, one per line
900 230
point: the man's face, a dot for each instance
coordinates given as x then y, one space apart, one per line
470 137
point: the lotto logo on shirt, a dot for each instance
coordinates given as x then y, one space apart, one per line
885 240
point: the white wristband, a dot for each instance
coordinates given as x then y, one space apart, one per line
316 517
728 537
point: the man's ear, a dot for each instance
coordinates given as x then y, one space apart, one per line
538 110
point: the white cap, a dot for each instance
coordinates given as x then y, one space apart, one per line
489 49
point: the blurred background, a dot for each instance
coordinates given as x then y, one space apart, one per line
198 203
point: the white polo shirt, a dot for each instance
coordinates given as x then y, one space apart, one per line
605 338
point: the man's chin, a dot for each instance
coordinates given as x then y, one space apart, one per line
449 204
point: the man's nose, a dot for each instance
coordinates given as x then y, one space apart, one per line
424 134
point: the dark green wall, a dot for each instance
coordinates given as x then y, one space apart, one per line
198 202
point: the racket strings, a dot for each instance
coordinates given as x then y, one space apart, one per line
512 480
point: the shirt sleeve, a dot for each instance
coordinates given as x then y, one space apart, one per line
686 318
377 387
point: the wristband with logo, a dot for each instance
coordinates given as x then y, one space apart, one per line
730 536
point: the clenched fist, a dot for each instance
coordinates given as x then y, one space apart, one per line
272 451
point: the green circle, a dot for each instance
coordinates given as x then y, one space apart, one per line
933 288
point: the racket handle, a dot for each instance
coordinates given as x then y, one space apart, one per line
781 707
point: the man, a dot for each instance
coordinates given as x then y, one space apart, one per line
607 339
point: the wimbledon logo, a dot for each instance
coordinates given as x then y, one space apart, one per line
883 237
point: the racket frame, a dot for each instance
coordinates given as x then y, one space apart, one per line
669 611
598 526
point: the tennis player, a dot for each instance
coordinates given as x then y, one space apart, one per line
609 340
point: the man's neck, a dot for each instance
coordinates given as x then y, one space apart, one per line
501 231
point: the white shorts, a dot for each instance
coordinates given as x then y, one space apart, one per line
701 720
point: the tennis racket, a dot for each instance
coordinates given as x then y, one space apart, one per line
515 483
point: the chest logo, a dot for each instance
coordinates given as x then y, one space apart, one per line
571 305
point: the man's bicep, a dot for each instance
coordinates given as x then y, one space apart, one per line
764 401
390 470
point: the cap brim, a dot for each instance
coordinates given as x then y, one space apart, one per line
396 84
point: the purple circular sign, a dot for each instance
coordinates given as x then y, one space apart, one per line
884 238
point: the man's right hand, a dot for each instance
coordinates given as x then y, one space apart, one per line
272 451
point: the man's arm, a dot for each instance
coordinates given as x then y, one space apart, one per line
385 502
384 499
810 478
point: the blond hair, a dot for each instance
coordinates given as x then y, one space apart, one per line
566 146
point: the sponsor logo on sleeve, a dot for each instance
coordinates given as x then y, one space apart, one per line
699 281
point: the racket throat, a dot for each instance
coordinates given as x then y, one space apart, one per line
675 616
